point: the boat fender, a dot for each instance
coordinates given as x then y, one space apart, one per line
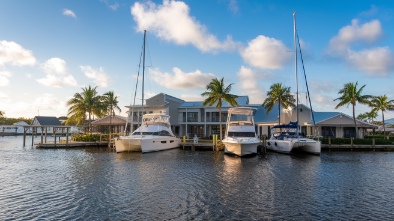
269 143
276 144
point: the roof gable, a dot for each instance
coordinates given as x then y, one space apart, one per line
45 121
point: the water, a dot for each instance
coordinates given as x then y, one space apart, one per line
96 184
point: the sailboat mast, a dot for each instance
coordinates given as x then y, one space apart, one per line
296 67
143 75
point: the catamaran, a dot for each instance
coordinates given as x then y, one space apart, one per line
285 138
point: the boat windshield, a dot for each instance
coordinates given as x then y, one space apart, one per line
157 133
241 134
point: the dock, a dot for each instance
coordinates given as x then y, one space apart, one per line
71 144
349 147
200 146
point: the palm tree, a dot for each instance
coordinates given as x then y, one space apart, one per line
350 94
278 94
111 104
88 101
381 103
217 92
1 113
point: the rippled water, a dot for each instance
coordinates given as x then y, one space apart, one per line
96 184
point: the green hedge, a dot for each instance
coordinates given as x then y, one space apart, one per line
90 137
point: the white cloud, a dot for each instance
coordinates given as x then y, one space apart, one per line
248 82
182 80
68 12
378 61
14 54
354 33
233 6
56 74
44 105
99 76
4 98
172 22
266 53
114 6
192 97
374 62
4 78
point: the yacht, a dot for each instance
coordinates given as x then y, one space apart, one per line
154 134
240 138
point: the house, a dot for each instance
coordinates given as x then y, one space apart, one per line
117 123
16 128
47 123
204 121
189 118
326 124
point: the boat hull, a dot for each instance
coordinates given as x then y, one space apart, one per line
309 146
303 144
280 146
240 148
146 144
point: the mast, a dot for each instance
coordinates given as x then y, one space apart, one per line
143 76
296 67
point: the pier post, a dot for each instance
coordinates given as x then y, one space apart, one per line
329 141
32 136
67 130
54 134
351 141
373 142
42 133
24 136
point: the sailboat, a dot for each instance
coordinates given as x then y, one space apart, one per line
285 138
240 137
155 132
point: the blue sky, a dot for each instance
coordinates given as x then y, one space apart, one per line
50 49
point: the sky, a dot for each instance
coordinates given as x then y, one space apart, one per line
51 49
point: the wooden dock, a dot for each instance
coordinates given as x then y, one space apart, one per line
71 144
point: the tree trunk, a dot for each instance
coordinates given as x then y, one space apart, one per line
384 128
354 120
220 123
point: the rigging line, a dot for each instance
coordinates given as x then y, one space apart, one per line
306 82
135 95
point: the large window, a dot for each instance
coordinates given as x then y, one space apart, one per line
191 117
215 117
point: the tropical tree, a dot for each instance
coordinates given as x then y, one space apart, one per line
278 94
367 116
88 101
351 94
362 117
2 113
217 93
110 101
381 103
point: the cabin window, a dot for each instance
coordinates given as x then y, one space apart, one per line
241 134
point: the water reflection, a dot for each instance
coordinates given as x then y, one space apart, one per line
97 184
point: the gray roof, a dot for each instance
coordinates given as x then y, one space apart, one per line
46 121
242 101
261 115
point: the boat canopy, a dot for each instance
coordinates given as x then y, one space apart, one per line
241 110
287 126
